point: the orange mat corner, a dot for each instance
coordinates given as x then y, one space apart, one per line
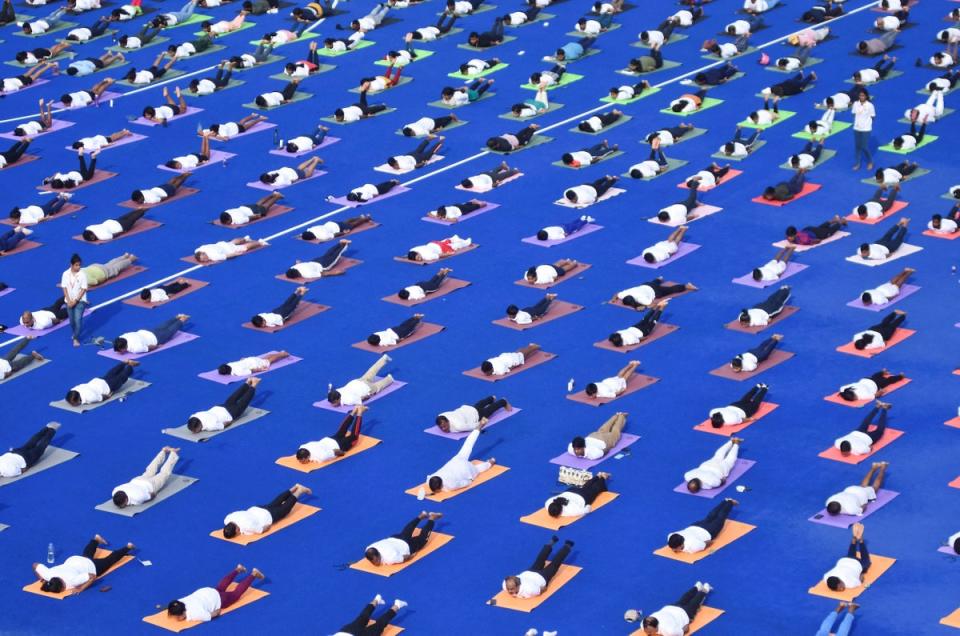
542 519
564 575
732 530
889 436
954 422
705 616
878 565
437 541
955 483
952 619
899 336
495 471
34 588
299 513
160 619
365 442
765 409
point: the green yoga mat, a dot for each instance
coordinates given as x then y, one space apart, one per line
837 126
233 83
623 119
760 144
552 107
332 120
506 38
537 140
451 126
321 68
672 164
422 54
690 82
107 34
439 103
667 64
919 172
489 71
565 79
243 27
784 116
310 36
298 97
811 61
927 139
623 102
825 156
56 29
707 103
216 48
615 153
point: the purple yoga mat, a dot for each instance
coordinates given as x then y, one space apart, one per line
747 279
589 228
498 417
396 386
682 250
230 379
178 339
845 521
58 124
20 330
905 290
327 141
8 290
258 127
739 468
260 185
566 459
945 549
191 110
398 189
129 139
216 156
106 96
466 217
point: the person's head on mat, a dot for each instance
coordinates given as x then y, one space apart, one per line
630 301
862 46
231 530
120 499
120 345
744 317
616 339
373 556
649 256
579 446
73 398
447 92
695 485
194 425
935 221
769 193
511 585
861 344
333 397
486 367
53 586
261 101
338 114
435 483
415 256
864 250
862 211
675 541
473 39
591 389
898 143
651 625
754 117
716 420
177 609
268 177
224 369
555 509
149 113
737 363
844 450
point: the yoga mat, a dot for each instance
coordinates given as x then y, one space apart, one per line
34 588
784 115
927 139
636 382
485 189
161 620
760 143
667 64
582 463
275 211
143 225
889 436
343 201
674 37
616 302
716 58
609 194
230 379
484 73
494 471
732 530
175 484
129 139
304 310
610 155
589 228
565 80
542 519
131 386
99 176
327 141
808 188
905 291
179 338
731 174
536 140
706 104
948 237
58 124
672 164
65 211
8 290
554 106
182 193
728 431
704 617
469 248
384 167
496 418
825 156
437 540
171 74
216 156
946 112
837 126
299 512
576 271
662 329
297 97
191 110
952 619
52 456
845 521
425 330
811 61
878 565
271 187
558 309
325 52
369 225
182 432
778 356
20 330
945 549
740 467
396 385
195 285
563 576
57 26
506 39
905 250
747 279
735 325
36 364
421 54
803 248
699 212
682 250
242 27
449 286
899 336
487 207
364 442
67 55
342 265
623 119
537 358
23 246
896 207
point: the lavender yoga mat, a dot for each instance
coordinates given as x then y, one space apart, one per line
845 521
682 250
747 279
399 189
566 459
327 141
58 124
216 156
945 549
739 468
325 404
589 228
20 330
466 217
191 110
498 417
8 290
230 379
129 139
258 127
179 339
259 185
905 290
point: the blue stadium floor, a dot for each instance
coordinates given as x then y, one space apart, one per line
761 581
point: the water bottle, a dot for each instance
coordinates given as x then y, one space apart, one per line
51 554
570 386
276 136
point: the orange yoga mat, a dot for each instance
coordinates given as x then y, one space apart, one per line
389 630
34 588
808 188
948 237
299 513
705 616
955 483
765 409
889 436
899 336
437 541
495 471
636 382
364 443
878 565
732 530
564 575
896 207
542 519
731 174
573 273
160 619
952 619
955 422
836 399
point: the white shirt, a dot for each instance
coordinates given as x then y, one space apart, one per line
239 215
388 337
273 98
405 163
220 251
877 341
31 128
531 584
671 620
676 212
325 232
309 269
883 294
728 50
301 143
322 450
739 150
864 389
877 252
422 127
889 23
582 157
758 318
80 98
158 296
593 448
853 499
695 539
481 182
366 192
202 604
710 473
392 550
732 415
415 292
860 443
585 194
748 361
740 27
229 129
42 319
506 361
462 419
631 336
683 18
554 232
140 341
848 571
253 520
863 114
354 392
647 169
74 284
428 34
874 210
661 250
187 161
142 77
352 113
545 274
788 63
106 230
31 215
248 366
841 101
611 387
772 270
138 491
764 116
153 195
213 419
185 50
575 506
74 572
133 42
594 124
869 75
12 465
93 391
947 226
643 294
590 27
94 143
271 319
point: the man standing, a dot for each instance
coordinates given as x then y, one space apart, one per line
863 114
74 285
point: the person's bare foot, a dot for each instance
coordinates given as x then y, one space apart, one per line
257 574
253 382
133 363
841 607
857 531
76 343
433 516
240 569
302 291
691 287
604 475
36 356
506 405
736 440
445 270
852 607
422 515
183 317
131 546
99 539
732 501
418 316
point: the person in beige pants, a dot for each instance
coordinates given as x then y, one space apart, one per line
354 392
142 489
596 444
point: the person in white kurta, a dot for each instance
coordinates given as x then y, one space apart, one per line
714 472
853 500
459 472
611 388
142 489
848 573
354 392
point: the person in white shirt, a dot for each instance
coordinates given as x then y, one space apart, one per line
250 365
288 176
207 603
401 547
635 333
79 99
459 472
929 111
272 99
577 500
279 316
419 290
807 158
218 418
559 232
432 32
741 411
644 295
596 123
250 212
17 461
98 142
946 224
740 147
879 204
528 315
142 489
912 139
457 211
112 228
356 391
895 174
230 129
12 362
861 441
329 230
428 125
848 573
305 143
664 250
436 250
169 110
713 473
42 319
954 542
393 336
519 18
660 35
681 212
887 245
364 625
421 155
145 340
761 314
45 24
533 582
773 269
101 388
595 445
194 159
944 59
74 284
876 336
372 20
223 250
590 193
863 115
674 620
466 418
750 360
853 500
491 178
321 266
160 193
259 519
887 291
612 387
224 27
338 444
152 73
505 362
549 274
162 293
78 573
698 536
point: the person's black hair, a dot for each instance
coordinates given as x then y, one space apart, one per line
694 485
132 73
206 24
571 195
411 255
473 35
649 257
864 246
555 509
757 274
542 235
248 6
590 389
744 316
194 425
120 345
630 301
716 420
123 40
268 177
616 339
53 586
373 339
512 310
447 92
578 442
833 583
585 127
956 545
898 142
678 107
223 369
729 147
120 499
257 321
486 367
149 111
769 192
302 454
651 621
137 196
292 273
176 608
935 219
403 293
75 258
371 553
862 211
675 541
737 362
861 344
230 530
435 483
849 395
260 101
333 396
845 447
791 231
862 46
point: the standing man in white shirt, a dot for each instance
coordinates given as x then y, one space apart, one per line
532 583
207 603
354 392
861 441
468 418
855 499
713 473
74 284
144 488
259 519
459 472
577 500
613 387
698 536
863 115
78 573
402 547
596 444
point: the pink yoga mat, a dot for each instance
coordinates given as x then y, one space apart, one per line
747 279
193 259
395 386
191 110
369 225
133 270
129 139
682 250
497 417
105 96
662 329
636 382
905 290
66 210
259 185
404 259
178 339
20 330
466 217
398 189
582 463
304 310
58 124
589 228
275 211
449 286
342 265
22 161
195 285
143 225
558 309
734 325
731 174
98 177
327 141
23 246
230 379
425 330
182 193
778 356
573 273
739 468
845 521
216 157
538 358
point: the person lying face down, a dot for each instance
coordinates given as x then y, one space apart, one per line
577 500
356 391
590 193
337 445
403 546
280 315
741 411
79 572
533 582
17 461
323 265
288 176
394 335
635 333
223 250
152 196
613 387
876 336
101 388
162 293
674 620
218 418
753 358
946 224
259 519
774 269
46 318
467 418
762 313
879 204
887 291
436 250
505 362
887 245
421 155
528 315
849 571
208 603
250 365
664 250
459 472
854 500
644 295
145 487
600 442
861 441
698 536
596 123
330 230
363 624
491 178
419 291
714 472
145 340
250 212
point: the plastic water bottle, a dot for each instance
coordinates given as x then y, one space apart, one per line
51 554
570 386
953 270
